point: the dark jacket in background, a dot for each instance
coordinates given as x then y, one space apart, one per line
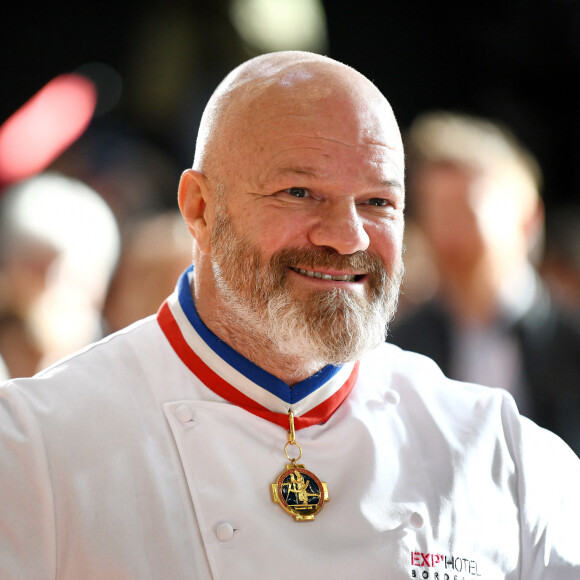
549 340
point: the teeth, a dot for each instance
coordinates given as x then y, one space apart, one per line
311 274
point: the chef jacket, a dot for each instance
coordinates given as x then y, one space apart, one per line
151 454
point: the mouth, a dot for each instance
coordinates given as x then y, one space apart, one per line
330 277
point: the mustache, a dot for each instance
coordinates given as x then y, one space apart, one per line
363 262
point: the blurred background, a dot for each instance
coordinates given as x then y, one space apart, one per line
155 62
106 97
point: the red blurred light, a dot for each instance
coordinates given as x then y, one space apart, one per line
35 135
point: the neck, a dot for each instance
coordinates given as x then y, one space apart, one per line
471 298
261 350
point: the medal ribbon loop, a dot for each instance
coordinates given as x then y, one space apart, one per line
292 440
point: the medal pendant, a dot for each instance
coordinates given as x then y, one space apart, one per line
299 492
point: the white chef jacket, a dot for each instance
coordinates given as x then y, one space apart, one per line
121 462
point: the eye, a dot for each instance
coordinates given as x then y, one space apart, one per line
297 191
378 202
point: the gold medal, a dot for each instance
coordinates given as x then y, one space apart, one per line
298 491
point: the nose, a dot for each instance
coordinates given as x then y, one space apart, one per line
341 228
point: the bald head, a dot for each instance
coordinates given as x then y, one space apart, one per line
287 84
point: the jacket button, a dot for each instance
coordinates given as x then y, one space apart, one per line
417 520
224 532
392 397
184 414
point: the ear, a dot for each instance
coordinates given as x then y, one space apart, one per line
192 197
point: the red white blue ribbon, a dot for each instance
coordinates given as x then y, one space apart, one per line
234 378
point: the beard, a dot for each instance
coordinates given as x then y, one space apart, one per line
332 326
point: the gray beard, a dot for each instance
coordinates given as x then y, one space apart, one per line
328 327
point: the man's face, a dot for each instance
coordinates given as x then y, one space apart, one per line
309 229
471 218
325 326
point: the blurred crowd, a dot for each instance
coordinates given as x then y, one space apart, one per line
492 289
86 248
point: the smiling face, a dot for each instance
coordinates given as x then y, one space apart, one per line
308 231
328 324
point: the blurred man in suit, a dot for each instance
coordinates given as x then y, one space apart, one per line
474 194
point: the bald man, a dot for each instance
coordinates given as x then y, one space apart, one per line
258 426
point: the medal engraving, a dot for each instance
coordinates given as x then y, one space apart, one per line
299 492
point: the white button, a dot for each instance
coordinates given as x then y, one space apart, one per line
224 532
184 414
417 520
392 397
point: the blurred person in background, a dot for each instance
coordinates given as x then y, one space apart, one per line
156 248
59 244
19 346
560 265
4 374
474 194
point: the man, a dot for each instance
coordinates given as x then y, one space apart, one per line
474 192
163 451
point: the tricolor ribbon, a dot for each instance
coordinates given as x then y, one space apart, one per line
237 380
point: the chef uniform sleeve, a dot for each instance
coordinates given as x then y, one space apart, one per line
27 522
549 499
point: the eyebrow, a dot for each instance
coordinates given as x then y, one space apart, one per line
309 172
390 184
282 171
